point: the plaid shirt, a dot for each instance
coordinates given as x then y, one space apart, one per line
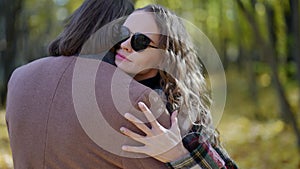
202 155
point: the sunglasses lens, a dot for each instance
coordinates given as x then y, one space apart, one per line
139 42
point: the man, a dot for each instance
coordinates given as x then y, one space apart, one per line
48 102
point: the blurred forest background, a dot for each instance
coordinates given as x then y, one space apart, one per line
258 42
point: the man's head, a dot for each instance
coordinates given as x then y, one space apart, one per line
87 19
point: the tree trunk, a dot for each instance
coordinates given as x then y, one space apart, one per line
253 92
295 34
11 14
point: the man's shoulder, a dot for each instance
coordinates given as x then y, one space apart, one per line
45 62
39 68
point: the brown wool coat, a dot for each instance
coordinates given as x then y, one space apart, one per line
44 129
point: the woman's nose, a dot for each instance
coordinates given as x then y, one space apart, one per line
126 45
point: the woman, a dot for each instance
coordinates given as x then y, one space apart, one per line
159 54
61 47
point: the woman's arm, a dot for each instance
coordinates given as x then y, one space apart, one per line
165 144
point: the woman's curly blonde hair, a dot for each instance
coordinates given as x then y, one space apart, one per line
181 73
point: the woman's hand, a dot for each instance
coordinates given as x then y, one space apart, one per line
163 144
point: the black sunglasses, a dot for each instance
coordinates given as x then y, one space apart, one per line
139 41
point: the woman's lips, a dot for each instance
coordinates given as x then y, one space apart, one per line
121 57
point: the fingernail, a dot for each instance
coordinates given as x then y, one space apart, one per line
124 147
127 115
141 104
122 129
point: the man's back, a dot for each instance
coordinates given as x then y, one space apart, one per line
44 129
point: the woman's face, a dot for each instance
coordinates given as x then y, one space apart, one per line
140 64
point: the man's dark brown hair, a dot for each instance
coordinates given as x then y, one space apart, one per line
87 19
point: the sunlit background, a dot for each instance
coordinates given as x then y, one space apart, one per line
258 42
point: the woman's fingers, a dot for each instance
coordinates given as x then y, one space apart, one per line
149 115
162 144
134 149
138 123
132 135
174 123
174 120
